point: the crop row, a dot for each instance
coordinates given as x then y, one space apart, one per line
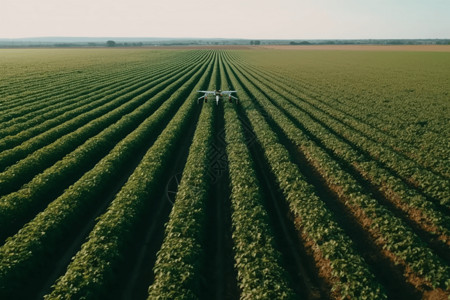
47 94
118 99
56 115
423 212
96 120
180 259
22 131
33 91
434 186
257 261
400 111
91 270
345 185
16 206
37 117
53 99
58 97
414 164
51 105
31 248
358 120
343 269
395 239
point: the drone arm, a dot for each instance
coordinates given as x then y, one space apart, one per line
207 92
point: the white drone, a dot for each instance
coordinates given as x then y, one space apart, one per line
219 94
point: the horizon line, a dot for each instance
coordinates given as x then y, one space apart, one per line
213 38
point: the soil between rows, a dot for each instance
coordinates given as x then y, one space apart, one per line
385 272
136 274
300 267
371 187
219 273
74 241
303 274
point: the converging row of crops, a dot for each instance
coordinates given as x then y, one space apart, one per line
329 179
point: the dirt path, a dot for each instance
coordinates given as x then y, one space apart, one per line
300 267
74 241
384 271
220 277
137 274
154 226
74 244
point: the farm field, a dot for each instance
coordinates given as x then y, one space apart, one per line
330 179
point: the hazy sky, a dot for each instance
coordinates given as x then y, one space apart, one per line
281 19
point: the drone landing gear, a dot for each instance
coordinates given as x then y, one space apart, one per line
235 100
230 100
200 100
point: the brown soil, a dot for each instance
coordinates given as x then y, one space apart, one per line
323 265
414 214
310 272
419 283
420 48
437 294
219 272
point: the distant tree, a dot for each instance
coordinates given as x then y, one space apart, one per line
300 43
110 43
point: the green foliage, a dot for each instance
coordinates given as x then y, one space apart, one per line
315 218
16 205
397 237
258 263
365 121
53 109
91 270
180 258
392 105
22 253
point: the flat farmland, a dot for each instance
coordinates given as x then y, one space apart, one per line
389 48
330 179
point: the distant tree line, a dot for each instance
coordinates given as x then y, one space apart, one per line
373 42
300 43
108 44
66 42
112 43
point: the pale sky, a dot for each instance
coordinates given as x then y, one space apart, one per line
258 19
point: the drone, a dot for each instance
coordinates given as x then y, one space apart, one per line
219 95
